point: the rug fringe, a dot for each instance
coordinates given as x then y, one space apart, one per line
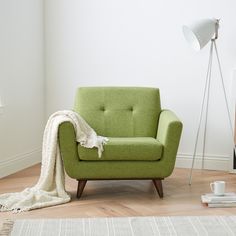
6 227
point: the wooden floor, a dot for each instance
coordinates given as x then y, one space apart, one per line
126 198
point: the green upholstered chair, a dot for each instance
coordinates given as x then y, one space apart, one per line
143 138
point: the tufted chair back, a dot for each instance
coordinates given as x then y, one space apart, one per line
120 111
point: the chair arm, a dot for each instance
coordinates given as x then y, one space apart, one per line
68 146
169 133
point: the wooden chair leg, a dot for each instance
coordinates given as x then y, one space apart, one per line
81 185
158 185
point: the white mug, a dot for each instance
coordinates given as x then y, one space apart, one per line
218 187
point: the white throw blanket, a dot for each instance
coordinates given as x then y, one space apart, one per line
50 189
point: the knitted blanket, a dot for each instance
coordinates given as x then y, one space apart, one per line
50 189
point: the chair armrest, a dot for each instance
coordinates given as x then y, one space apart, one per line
169 133
68 146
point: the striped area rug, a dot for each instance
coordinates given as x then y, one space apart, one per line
125 226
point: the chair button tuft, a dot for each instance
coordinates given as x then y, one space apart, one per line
102 108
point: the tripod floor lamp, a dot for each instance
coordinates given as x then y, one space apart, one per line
198 35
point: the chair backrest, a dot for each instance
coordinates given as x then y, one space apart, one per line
120 111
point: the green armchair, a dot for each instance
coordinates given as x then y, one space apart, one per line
143 139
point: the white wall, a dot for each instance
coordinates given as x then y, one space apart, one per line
125 43
21 84
140 43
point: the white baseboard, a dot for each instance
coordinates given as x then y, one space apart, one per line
213 162
19 162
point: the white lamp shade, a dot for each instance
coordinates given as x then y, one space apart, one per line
200 33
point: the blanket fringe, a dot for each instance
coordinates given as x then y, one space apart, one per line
13 210
6 227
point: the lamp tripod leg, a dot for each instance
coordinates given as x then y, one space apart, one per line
223 87
201 113
207 108
225 97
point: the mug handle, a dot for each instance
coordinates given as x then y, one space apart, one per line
212 187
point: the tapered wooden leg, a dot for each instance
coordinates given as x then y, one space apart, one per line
158 185
81 185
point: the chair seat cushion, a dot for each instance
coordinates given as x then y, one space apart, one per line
125 149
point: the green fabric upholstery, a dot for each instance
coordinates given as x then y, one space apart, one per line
166 129
120 112
125 149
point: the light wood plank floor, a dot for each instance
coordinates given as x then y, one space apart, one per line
126 198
